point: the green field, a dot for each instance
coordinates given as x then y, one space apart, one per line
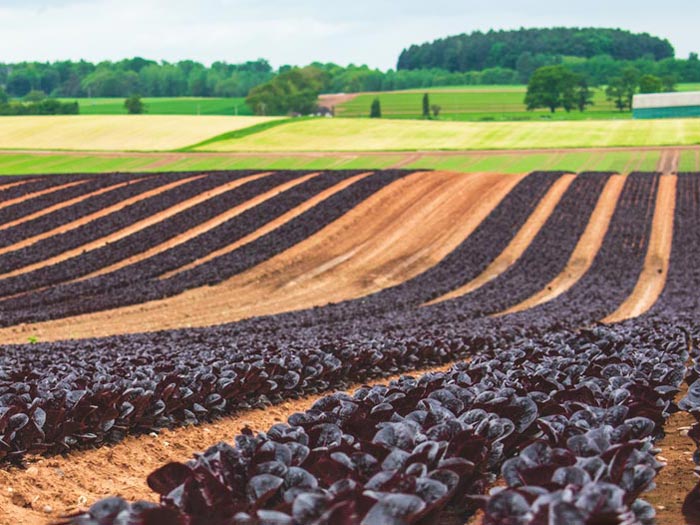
477 103
577 161
404 135
166 106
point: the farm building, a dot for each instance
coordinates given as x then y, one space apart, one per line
667 105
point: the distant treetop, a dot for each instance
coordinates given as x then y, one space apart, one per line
477 51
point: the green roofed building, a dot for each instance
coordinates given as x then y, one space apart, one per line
667 105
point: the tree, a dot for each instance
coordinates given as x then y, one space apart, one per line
294 91
3 96
615 92
583 95
621 89
668 83
35 95
376 109
134 105
426 106
650 84
436 110
552 87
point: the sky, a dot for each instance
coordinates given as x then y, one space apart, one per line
297 32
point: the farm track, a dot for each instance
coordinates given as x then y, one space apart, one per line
518 244
392 240
586 248
62 483
653 277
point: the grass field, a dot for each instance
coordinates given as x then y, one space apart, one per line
622 161
401 135
116 132
166 106
478 103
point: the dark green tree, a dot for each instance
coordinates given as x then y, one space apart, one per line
621 89
583 95
650 84
436 110
3 96
376 109
668 83
134 105
552 87
426 106
35 95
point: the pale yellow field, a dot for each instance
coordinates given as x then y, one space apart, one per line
396 135
115 132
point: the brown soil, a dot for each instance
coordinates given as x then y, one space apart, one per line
585 251
653 277
87 218
335 99
64 204
47 191
270 226
519 243
57 486
392 236
676 479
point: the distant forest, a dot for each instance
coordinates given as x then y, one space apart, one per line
495 57
477 51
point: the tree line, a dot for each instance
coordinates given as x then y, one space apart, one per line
478 50
554 87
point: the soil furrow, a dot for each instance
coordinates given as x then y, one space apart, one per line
586 249
518 244
653 277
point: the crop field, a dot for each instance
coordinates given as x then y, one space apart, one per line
166 106
477 103
116 132
397 135
231 347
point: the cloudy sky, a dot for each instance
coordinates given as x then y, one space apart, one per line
299 31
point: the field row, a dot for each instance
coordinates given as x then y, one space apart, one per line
573 161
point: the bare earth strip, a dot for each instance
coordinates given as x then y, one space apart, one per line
199 229
519 243
96 215
586 249
47 191
65 204
161 216
272 225
74 482
15 184
397 233
653 277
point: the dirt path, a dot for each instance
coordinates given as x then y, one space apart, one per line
585 251
335 99
676 479
668 161
66 484
92 216
653 277
65 204
519 243
392 236
47 191
272 225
